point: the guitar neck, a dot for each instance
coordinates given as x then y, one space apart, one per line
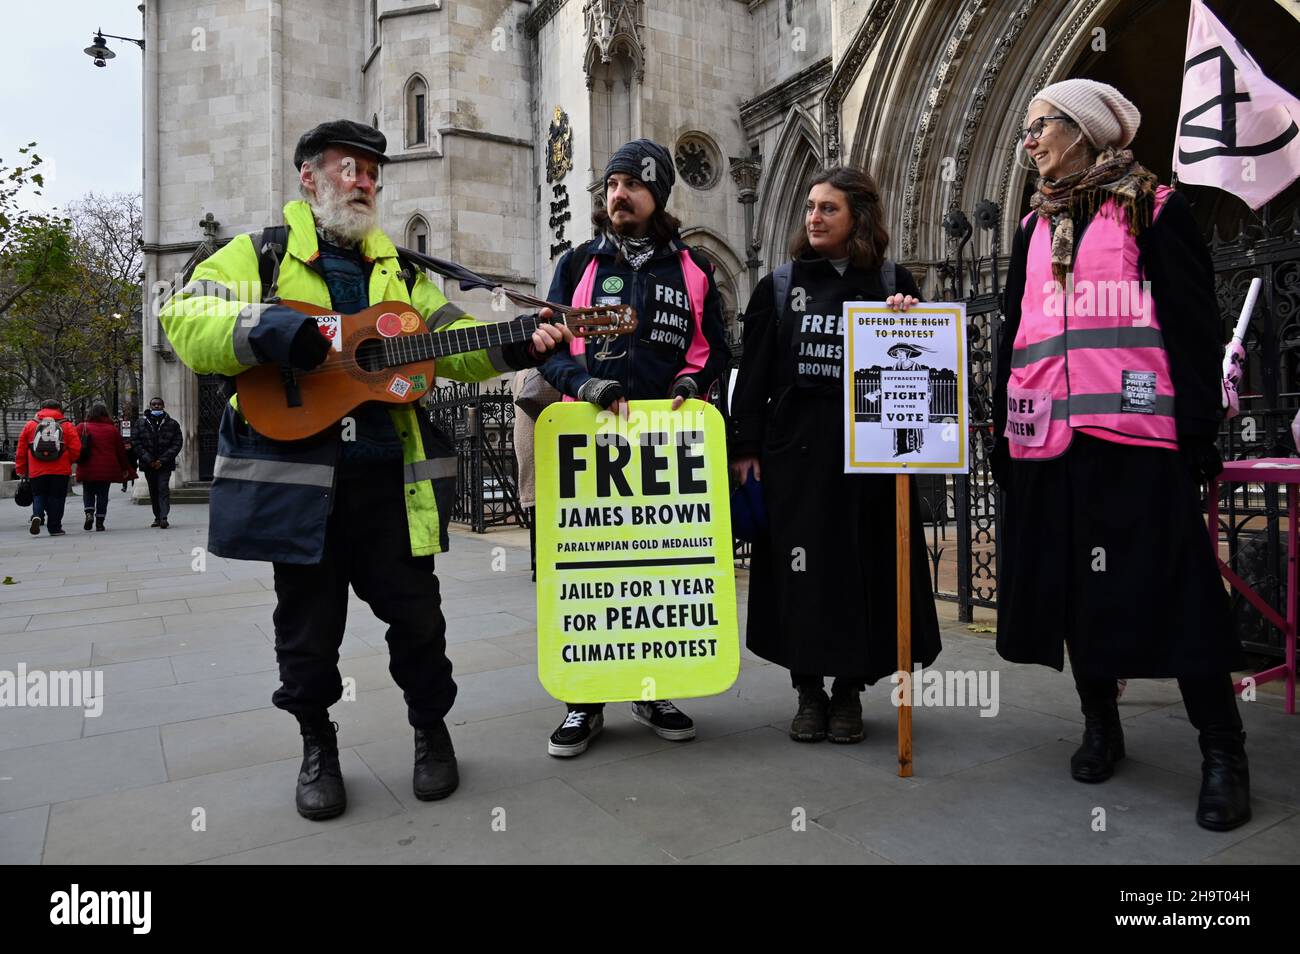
408 349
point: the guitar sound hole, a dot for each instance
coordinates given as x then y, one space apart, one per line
370 355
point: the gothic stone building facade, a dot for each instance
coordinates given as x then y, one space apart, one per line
500 115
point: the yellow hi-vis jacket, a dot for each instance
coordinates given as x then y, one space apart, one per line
270 499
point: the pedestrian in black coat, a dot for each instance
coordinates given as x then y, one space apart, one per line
157 441
822 597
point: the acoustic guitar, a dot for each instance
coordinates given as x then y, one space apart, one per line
385 353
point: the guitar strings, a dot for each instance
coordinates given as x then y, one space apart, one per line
348 363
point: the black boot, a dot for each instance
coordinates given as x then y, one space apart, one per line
1103 736
320 792
1224 803
1211 704
845 722
435 775
99 523
809 724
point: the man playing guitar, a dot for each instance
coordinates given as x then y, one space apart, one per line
364 503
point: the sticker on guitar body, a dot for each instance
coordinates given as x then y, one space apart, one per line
329 326
399 386
389 325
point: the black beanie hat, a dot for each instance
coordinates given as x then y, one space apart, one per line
648 161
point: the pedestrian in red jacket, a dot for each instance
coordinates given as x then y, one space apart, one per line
45 455
104 463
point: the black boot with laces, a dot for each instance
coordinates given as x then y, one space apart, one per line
320 792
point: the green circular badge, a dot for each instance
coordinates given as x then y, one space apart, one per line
612 285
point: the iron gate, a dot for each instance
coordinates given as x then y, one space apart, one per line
482 424
211 404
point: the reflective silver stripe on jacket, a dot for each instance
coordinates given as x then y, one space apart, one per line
273 471
1062 408
1118 337
249 318
435 469
444 316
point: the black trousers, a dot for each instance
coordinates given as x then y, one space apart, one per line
160 493
368 548
842 685
1210 701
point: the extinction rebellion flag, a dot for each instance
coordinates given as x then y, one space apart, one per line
1237 129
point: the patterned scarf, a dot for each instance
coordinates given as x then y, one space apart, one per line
636 251
1115 175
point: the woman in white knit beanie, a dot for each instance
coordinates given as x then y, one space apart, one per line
1107 409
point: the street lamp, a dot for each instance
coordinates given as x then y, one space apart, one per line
99 51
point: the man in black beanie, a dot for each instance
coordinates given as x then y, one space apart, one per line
637 257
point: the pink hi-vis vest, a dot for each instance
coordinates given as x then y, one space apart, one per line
1090 355
697 286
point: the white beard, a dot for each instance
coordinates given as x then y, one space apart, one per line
336 214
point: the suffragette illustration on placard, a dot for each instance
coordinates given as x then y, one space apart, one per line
905 388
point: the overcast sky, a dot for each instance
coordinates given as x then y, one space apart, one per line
85 120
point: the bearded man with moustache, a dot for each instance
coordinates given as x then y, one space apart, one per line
637 258
364 505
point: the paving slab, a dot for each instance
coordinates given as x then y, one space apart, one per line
1026 809
57 771
188 723
545 822
22 835
240 809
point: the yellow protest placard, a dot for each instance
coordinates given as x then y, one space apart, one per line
636 589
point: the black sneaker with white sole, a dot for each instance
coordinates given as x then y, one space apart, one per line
575 733
666 719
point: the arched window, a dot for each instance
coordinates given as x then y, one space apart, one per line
417 111
417 235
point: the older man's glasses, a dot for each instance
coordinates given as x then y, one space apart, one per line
1035 129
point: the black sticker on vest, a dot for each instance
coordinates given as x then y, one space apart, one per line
1138 392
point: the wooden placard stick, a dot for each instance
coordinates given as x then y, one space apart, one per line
903 497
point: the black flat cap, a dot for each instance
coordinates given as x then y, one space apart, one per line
340 132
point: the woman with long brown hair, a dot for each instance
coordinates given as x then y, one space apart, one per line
822 598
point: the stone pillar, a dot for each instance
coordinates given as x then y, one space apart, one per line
745 173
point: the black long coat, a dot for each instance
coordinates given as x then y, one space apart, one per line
1105 548
822 597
